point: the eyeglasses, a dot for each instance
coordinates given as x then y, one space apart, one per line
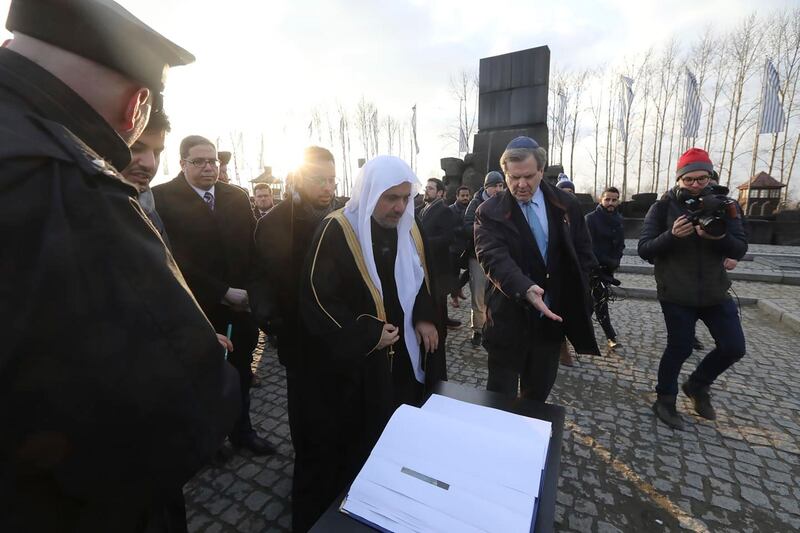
200 163
322 180
701 180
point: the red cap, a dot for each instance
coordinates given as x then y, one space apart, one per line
694 159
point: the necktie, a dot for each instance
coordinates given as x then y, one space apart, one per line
537 229
209 198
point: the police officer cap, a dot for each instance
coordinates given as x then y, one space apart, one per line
522 142
102 31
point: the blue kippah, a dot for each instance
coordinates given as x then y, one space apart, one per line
523 142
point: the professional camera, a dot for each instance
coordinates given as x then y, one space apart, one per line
708 210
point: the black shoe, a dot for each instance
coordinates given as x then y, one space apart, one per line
477 338
696 344
256 445
664 408
222 456
701 398
450 323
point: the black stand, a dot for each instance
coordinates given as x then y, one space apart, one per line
335 521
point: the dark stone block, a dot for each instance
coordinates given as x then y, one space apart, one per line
528 106
530 67
495 73
645 198
490 145
494 110
632 227
452 166
789 215
787 233
472 179
759 231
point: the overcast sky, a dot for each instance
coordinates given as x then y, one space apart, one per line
262 66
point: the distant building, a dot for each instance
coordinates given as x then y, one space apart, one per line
274 183
760 195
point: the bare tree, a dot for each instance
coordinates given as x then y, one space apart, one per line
667 87
791 69
596 107
745 47
364 113
390 126
464 88
579 81
721 71
645 84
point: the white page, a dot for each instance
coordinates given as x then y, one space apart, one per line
492 478
437 507
523 427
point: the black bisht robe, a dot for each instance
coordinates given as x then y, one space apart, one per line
350 389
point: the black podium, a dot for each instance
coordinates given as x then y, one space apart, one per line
335 521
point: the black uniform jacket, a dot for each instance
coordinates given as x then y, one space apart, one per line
213 248
113 387
508 253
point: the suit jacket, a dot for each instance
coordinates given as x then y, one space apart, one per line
214 249
508 253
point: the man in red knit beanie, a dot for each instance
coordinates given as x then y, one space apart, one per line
692 285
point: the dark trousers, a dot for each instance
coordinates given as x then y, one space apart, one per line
537 377
725 327
244 336
600 295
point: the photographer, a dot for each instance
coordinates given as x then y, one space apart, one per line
688 234
608 242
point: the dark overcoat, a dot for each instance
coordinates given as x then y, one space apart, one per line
507 251
113 387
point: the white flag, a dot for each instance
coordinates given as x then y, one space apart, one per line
625 101
772 117
692 107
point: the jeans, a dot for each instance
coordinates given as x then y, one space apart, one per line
723 323
477 288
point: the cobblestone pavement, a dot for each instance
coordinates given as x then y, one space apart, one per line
621 471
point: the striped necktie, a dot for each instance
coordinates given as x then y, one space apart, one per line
209 198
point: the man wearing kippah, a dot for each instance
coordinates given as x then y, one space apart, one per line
532 242
115 387
692 285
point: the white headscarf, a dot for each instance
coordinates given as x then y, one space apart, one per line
378 175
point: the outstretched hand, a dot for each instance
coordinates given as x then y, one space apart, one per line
535 296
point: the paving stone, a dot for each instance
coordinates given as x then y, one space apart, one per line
234 514
256 500
272 510
726 503
754 496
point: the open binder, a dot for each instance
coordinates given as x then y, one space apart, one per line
452 466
